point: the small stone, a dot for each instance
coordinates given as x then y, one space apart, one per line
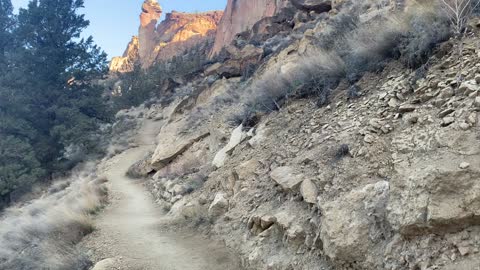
445 112
219 206
468 87
411 118
464 165
309 191
477 102
463 250
447 121
406 108
267 221
464 126
447 93
472 118
393 103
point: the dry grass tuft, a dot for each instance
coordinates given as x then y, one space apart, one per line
43 233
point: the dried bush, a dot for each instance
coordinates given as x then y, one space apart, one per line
43 233
314 76
427 28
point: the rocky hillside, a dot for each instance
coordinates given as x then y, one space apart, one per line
177 33
327 136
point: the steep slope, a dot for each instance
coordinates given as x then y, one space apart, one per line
177 33
335 153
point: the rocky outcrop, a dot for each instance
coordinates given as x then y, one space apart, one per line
182 31
151 12
171 147
126 62
177 33
242 15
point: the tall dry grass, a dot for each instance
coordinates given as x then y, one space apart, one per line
43 233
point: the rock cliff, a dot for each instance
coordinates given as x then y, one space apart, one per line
177 33
242 15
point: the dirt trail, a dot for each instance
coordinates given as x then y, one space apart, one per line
129 229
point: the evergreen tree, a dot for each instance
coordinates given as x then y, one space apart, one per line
50 107
6 24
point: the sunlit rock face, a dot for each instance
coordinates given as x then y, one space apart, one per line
181 31
241 15
156 42
126 62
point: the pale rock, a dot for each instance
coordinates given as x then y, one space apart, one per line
352 224
447 121
219 206
445 112
287 177
267 221
464 165
172 147
476 103
238 136
296 234
247 169
179 189
309 191
468 87
436 197
446 93
106 264
393 103
464 126
284 219
406 108
472 118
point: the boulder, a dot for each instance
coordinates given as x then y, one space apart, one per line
318 6
287 177
352 224
172 147
219 206
437 197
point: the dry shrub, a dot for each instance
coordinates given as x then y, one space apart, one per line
349 47
43 233
314 75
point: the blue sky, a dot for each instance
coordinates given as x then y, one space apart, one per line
114 22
